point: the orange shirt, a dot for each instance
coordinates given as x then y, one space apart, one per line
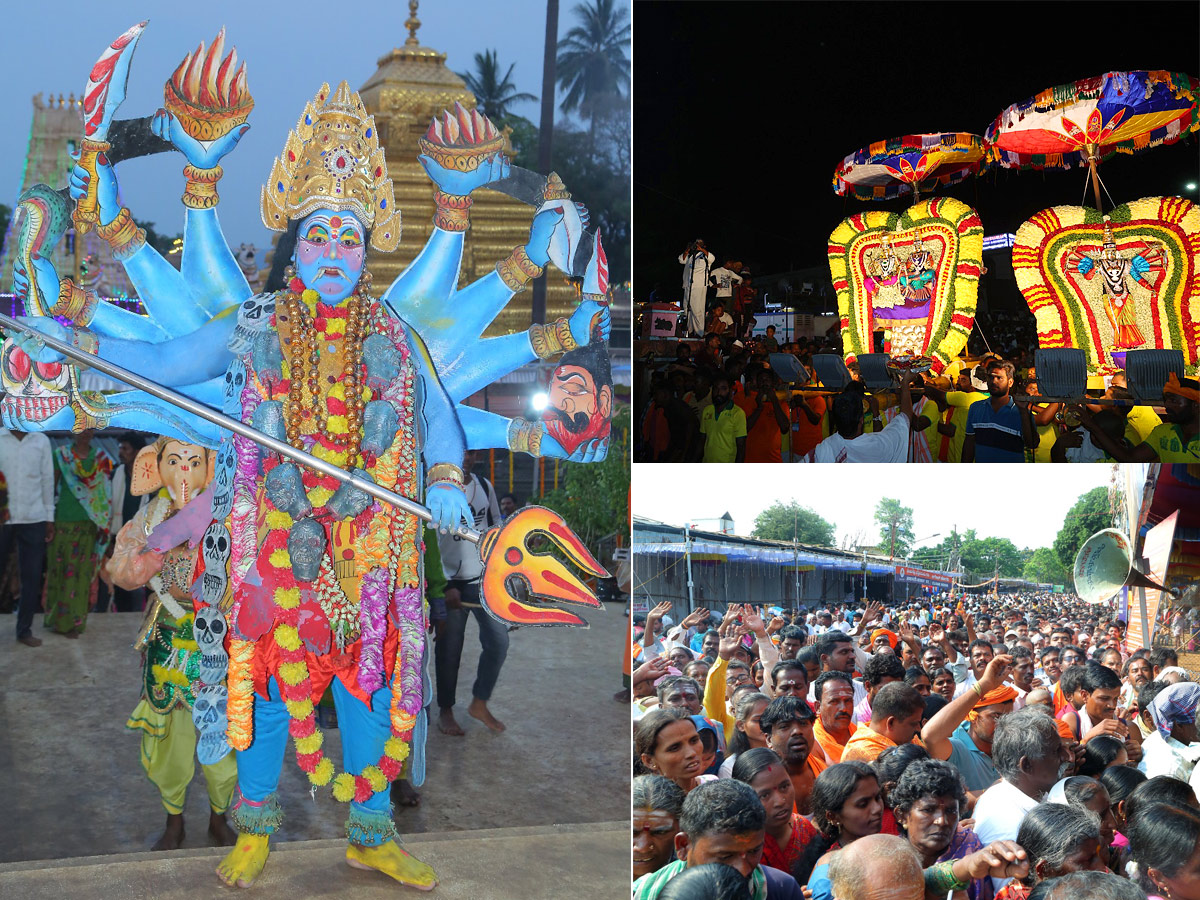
805 435
763 441
833 750
865 744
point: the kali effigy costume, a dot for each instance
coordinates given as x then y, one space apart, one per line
316 583
183 659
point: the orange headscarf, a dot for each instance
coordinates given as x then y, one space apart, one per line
890 635
1174 387
1002 694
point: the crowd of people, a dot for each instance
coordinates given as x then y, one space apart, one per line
988 748
723 401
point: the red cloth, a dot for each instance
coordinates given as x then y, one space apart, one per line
322 668
763 441
784 858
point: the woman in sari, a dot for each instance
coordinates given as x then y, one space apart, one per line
846 805
788 834
927 802
79 533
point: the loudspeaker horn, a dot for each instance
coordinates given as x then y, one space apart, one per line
1105 564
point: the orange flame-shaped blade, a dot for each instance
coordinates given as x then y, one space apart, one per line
507 558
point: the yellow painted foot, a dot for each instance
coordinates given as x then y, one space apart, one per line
244 863
389 859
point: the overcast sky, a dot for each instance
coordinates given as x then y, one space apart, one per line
289 49
1025 504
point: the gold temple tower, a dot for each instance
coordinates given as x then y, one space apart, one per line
410 88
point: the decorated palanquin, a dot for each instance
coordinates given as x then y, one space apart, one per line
913 275
1114 283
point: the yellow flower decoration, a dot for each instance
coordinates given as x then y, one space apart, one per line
299 709
322 773
310 744
375 778
343 787
278 520
287 637
293 673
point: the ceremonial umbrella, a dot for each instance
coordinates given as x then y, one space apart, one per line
1086 122
916 162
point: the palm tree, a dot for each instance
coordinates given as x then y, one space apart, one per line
593 67
493 95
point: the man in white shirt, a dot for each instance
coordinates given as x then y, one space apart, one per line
463 568
1030 756
28 468
725 278
849 444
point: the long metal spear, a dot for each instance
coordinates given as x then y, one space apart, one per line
197 408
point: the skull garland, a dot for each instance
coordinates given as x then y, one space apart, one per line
306 544
210 717
215 548
222 487
254 316
235 381
209 631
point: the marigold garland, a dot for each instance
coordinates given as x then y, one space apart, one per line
387 541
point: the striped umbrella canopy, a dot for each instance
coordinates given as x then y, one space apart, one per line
1087 121
913 162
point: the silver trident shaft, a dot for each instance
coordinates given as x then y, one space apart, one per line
197 408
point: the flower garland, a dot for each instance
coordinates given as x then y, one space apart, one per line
397 532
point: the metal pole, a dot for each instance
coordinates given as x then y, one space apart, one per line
687 552
211 415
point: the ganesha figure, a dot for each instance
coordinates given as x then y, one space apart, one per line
320 585
176 642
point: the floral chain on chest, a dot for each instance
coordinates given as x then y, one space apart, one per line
304 359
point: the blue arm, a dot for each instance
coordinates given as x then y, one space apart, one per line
208 266
443 440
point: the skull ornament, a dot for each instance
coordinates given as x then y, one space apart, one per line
347 502
268 418
215 549
285 489
235 381
209 630
33 392
380 425
306 544
267 357
210 717
222 488
382 360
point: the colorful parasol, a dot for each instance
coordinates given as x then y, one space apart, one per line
914 162
1086 122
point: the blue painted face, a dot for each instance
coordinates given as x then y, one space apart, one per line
331 252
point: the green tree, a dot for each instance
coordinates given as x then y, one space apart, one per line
792 522
1090 514
594 497
987 555
1044 567
592 64
493 94
895 526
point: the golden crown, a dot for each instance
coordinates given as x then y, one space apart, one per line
333 161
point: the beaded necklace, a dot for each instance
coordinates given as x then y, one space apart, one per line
304 361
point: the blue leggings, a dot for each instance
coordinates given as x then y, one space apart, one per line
364 732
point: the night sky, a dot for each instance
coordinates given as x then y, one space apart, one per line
742 111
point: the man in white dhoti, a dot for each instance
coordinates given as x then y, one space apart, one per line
697 262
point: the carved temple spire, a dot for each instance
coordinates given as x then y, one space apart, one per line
412 25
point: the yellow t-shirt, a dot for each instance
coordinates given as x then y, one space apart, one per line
1141 421
721 432
959 402
1168 442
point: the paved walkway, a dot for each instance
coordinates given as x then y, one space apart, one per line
540 863
73 787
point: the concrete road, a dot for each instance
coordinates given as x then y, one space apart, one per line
72 785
